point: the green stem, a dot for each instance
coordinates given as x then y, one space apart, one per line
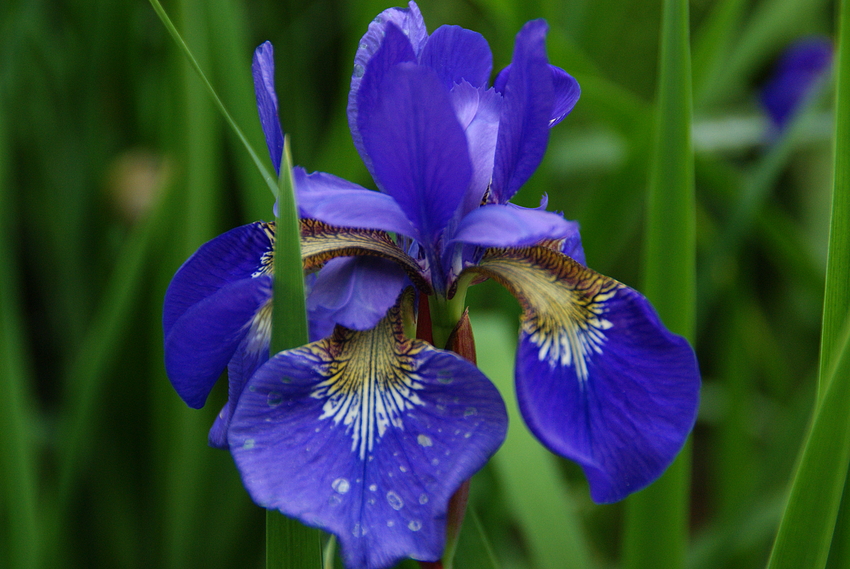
446 313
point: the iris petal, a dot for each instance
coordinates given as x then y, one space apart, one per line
321 242
232 256
356 292
335 201
509 225
253 351
567 91
478 113
262 69
599 378
417 146
526 111
395 47
205 337
457 54
367 435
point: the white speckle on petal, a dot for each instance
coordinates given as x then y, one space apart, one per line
341 485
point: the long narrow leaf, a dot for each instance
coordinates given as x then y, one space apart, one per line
178 39
656 518
806 530
17 451
535 491
837 292
289 544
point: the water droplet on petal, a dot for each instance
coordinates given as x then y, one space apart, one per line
275 398
390 523
359 70
470 411
424 440
414 525
423 499
395 501
373 487
402 467
248 444
341 485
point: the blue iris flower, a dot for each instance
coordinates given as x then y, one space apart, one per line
365 432
796 75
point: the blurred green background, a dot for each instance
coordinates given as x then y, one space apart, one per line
115 167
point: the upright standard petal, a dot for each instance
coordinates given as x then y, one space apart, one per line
417 146
391 46
457 54
478 113
367 435
525 115
263 70
205 337
566 88
240 253
599 378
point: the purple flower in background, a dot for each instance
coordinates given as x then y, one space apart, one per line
366 433
797 72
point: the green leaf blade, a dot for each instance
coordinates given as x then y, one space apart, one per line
656 518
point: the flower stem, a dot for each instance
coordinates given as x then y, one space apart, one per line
446 313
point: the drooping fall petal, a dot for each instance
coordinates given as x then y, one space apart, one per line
599 379
367 435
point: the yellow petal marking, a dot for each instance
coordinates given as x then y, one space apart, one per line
321 242
564 303
371 379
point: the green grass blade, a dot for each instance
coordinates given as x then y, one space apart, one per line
289 544
99 347
535 490
231 57
836 304
474 550
289 317
656 518
713 40
806 530
169 25
17 449
772 24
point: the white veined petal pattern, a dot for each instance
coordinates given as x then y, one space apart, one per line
371 382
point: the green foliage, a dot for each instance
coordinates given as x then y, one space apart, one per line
115 165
